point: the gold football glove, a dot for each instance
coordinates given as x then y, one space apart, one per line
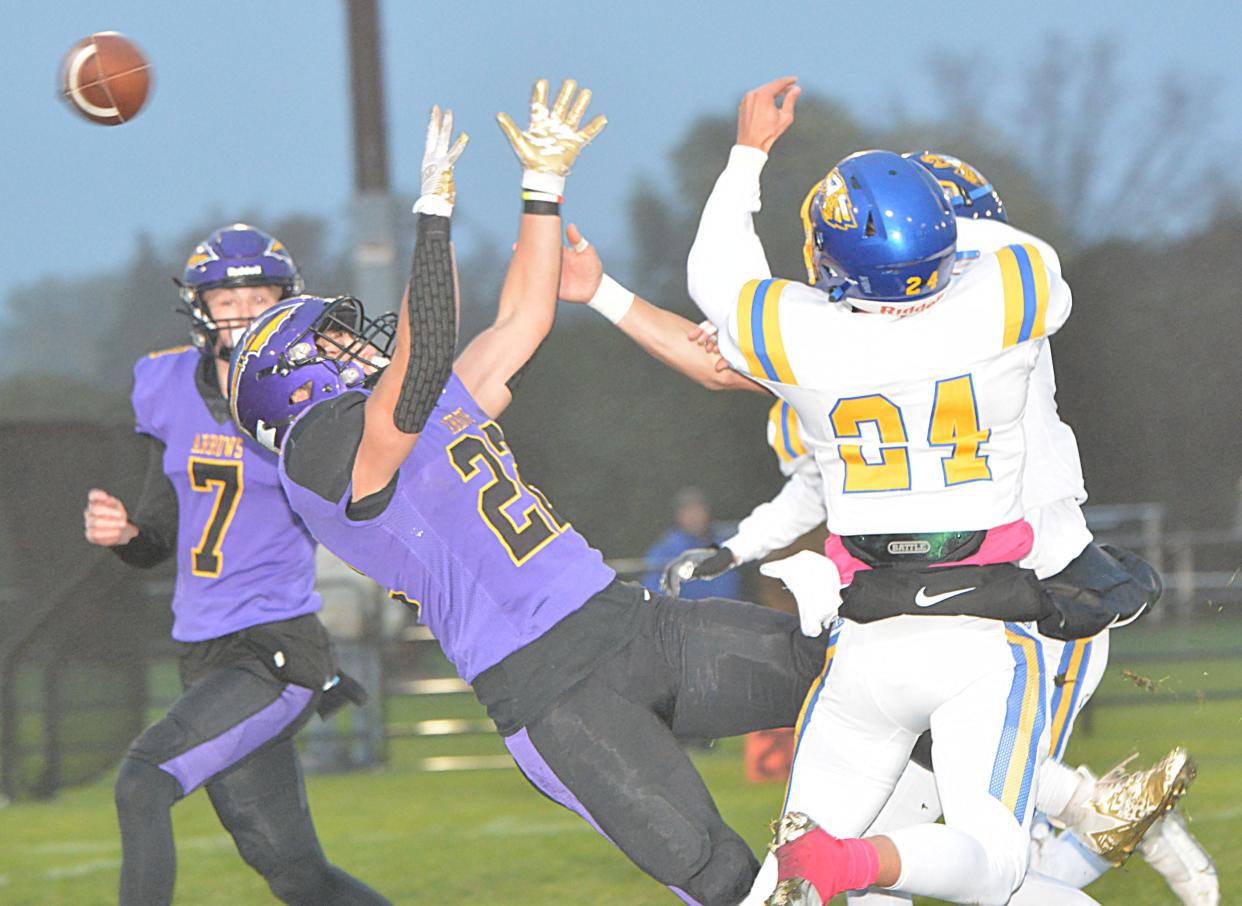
438 190
552 142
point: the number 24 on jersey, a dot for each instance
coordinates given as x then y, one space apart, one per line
954 426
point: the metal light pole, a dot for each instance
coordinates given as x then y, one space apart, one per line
374 216
375 282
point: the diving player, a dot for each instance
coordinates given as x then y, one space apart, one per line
254 659
913 414
586 677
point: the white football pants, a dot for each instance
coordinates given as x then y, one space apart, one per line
979 685
1073 670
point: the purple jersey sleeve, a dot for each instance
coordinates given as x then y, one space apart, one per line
151 374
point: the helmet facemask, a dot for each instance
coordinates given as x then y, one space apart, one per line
302 352
206 330
232 257
360 348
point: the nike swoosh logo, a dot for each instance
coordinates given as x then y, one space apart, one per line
922 599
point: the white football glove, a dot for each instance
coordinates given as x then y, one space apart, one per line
438 192
815 583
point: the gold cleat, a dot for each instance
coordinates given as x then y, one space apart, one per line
792 891
1123 806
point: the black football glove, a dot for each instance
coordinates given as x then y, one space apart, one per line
343 690
696 563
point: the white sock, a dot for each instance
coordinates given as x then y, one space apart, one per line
765 883
1059 787
1181 860
1065 858
1040 891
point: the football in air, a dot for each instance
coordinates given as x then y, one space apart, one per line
105 78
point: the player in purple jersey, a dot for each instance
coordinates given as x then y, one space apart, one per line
588 679
254 658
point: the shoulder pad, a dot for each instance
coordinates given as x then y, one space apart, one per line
153 395
1024 278
758 326
171 350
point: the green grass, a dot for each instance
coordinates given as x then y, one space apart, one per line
449 837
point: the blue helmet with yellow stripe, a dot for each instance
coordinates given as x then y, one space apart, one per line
879 225
968 190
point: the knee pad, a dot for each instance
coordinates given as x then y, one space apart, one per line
300 882
142 788
728 875
672 848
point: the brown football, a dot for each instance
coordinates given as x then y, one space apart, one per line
105 78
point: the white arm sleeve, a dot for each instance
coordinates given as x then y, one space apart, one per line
1060 301
797 509
726 251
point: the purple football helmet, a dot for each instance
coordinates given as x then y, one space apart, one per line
299 353
967 189
236 255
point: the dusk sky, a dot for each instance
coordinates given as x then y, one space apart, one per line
250 112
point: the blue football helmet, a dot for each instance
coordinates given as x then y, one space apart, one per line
879 228
236 255
299 353
967 189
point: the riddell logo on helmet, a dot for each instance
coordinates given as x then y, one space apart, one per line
904 311
248 271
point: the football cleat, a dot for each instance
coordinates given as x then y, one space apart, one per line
1123 805
786 831
1187 868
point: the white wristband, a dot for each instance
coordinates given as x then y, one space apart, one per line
543 182
612 300
433 204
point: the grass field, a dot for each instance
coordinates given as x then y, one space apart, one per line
423 838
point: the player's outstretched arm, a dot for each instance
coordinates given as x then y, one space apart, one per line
798 508
666 336
547 150
777 523
427 326
726 251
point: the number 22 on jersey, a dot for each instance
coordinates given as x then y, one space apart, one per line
954 426
517 513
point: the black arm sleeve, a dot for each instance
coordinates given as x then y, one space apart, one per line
433 324
155 515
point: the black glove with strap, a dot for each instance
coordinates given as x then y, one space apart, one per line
696 563
342 690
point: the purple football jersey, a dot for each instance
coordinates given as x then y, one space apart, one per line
243 557
482 555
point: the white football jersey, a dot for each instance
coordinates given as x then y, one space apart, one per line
1056 469
914 420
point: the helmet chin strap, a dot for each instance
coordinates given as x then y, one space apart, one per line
232 337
